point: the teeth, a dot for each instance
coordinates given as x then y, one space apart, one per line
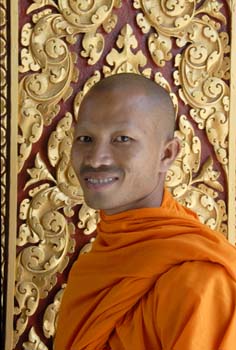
100 181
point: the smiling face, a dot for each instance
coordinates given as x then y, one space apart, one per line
119 153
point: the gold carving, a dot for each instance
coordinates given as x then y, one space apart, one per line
110 23
51 314
126 60
93 44
201 67
86 15
45 236
46 52
41 92
34 342
87 247
159 47
45 232
196 190
4 125
27 296
79 97
50 317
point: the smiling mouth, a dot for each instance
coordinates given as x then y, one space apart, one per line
99 183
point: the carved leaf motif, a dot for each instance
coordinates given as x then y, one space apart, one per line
40 172
26 33
27 59
191 152
27 296
87 247
126 40
126 60
110 23
160 48
63 130
28 62
212 8
39 4
160 80
37 16
86 15
192 190
51 314
88 219
137 4
209 176
93 44
34 342
167 17
143 23
88 84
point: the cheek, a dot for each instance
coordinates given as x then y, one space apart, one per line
146 160
75 159
146 169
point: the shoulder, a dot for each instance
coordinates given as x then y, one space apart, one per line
196 277
195 301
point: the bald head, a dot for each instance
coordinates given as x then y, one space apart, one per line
155 99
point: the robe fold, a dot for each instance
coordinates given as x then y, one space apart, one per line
155 279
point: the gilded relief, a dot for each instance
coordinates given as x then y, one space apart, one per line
202 67
4 123
46 51
50 68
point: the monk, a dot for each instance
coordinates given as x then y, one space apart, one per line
156 278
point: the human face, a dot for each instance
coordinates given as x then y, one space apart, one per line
117 152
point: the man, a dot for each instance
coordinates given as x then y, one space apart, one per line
156 278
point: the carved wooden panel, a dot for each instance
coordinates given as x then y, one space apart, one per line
65 47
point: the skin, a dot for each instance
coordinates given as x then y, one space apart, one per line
123 143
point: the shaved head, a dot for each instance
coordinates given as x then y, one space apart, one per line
158 103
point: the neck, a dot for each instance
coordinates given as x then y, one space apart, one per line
152 200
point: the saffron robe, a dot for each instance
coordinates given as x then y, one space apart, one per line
155 279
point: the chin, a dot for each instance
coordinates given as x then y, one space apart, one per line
93 204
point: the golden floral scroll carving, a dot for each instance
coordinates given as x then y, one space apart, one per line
197 192
51 314
125 61
34 342
46 51
202 67
45 232
46 236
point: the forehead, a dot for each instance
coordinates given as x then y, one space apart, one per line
115 106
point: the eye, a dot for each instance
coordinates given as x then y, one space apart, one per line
122 139
84 139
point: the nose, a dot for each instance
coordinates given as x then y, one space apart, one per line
99 154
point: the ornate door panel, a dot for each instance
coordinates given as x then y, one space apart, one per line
59 51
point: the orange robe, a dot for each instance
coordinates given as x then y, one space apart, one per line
155 279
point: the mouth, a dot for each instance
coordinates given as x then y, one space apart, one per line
99 182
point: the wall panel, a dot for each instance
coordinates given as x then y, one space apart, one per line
64 47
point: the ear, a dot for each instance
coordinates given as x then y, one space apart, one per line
169 153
